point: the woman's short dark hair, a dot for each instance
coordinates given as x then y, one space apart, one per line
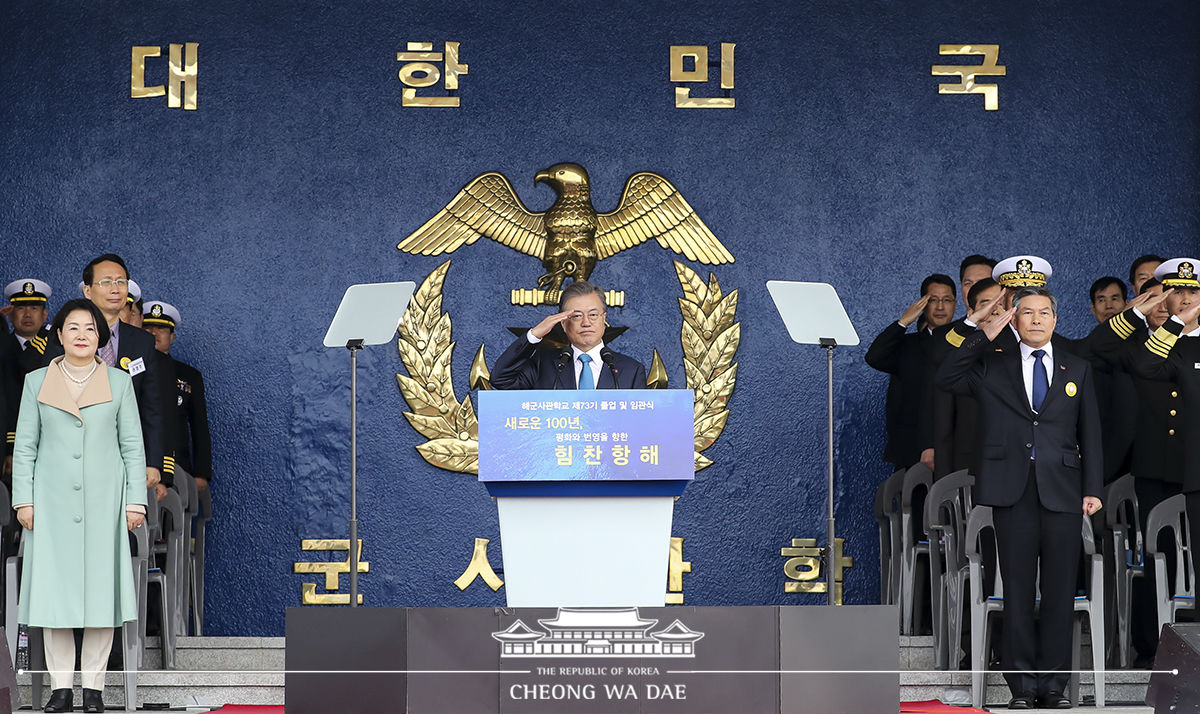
60 318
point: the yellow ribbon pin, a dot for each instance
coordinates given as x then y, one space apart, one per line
1071 389
125 366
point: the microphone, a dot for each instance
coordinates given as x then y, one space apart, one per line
608 358
563 358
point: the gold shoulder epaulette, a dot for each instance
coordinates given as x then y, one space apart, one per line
39 344
1161 342
954 338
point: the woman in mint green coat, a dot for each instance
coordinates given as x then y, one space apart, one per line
78 484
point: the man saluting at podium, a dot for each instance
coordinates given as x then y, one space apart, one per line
582 315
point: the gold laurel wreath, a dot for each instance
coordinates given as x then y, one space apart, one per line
425 348
710 339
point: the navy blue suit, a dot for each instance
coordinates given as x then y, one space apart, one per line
1034 468
525 365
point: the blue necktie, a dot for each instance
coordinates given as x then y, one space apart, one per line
585 375
1041 383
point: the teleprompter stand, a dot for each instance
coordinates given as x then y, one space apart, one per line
369 314
814 315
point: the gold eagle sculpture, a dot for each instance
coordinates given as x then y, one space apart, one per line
571 235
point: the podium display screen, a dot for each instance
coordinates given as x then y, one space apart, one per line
586 435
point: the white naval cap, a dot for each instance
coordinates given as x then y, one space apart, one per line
1022 271
135 292
160 314
1178 273
27 291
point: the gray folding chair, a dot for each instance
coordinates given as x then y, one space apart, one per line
1122 517
914 547
162 565
887 504
984 606
198 546
946 525
1174 591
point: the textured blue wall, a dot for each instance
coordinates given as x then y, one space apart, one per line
300 171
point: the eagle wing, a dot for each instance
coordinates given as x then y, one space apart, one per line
487 206
653 208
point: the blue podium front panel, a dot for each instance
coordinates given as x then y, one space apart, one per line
586 442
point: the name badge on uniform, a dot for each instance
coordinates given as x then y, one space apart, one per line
1196 365
137 366
1071 389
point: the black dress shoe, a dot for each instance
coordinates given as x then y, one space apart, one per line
60 701
1021 701
1055 700
93 700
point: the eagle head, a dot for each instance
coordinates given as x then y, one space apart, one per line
565 179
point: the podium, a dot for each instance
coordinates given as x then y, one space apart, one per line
585 483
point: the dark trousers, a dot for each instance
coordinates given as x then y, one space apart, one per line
1029 539
1143 616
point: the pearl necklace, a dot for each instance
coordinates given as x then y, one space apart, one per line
62 365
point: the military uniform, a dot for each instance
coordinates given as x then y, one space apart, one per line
1170 355
193 445
19 356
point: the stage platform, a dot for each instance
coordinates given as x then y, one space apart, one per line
250 670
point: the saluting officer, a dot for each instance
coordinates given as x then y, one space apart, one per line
1172 353
28 299
193 445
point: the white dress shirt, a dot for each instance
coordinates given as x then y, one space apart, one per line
1027 360
1193 333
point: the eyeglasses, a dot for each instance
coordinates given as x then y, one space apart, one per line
591 315
109 282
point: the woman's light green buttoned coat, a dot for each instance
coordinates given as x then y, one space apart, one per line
79 463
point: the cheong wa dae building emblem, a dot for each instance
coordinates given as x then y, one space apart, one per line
598 632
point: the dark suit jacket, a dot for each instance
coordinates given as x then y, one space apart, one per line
15 362
524 366
149 388
1065 435
955 416
193 444
1146 421
909 412
1167 356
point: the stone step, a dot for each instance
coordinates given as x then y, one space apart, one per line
1120 686
214 689
220 653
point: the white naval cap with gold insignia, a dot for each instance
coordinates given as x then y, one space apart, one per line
1022 271
160 314
27 291
1178 273
135 292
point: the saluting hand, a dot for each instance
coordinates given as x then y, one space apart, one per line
543 328
133 519
983 311
994 327
25 516
1146 302
914 311
1091 504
